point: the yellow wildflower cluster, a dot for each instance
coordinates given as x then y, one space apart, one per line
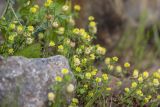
48 3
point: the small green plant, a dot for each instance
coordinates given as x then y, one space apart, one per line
35 31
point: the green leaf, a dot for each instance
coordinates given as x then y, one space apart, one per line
32 51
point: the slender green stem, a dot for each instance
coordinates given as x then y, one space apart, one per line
11 7
5 10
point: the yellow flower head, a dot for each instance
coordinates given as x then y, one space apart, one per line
36 6
107 61
48 3
90 94
55 24
145 74
140 79
33 9
88 75
110 67
10 51
105 76
77 7
19 28
126 90
76 31
61 30
92 24
70 88
101 50
11 38
60 48
58 78
65 8
77 61
75 100
51 43
51 96
119 69
115 58
30 28
134 85
92 56
127 65
64 71
78 69
94 72
98 79
135 73
90 18
155 82
12 26
139 92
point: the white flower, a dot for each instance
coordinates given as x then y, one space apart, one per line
70 88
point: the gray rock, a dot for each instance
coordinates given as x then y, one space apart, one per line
25 82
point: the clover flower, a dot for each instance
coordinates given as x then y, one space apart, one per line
10 50
58 78
51 96
11 38
118 69
70 88
77 7
33 9
98 79
135 73
115 58
126 90
65 8
126 64
78 69
105 76
101 50
134 85
90 18
155 82
77 62
12 26
55 24
20 29
140 79
75 100
64 71
92 56
94 72
92 24
29 40
61 30
88 75
48 3
139 92
60 48
145 74
51 44
30 28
